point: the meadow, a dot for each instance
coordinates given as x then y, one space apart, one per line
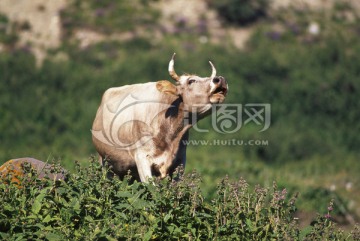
310 80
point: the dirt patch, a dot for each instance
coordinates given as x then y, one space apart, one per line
43 20
196 13
44 24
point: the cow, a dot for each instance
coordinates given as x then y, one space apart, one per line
143 128
15 170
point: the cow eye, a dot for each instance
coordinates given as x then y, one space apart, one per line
191 81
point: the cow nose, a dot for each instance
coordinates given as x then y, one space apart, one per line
217 80
219 85
220 81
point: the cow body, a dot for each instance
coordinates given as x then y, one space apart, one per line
142 127
143 130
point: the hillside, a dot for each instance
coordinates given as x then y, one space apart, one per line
58 57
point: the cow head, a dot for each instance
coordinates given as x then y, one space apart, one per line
197 93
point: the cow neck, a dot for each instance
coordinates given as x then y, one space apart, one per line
172 129
176 119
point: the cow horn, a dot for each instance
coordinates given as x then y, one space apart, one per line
172 70
213 74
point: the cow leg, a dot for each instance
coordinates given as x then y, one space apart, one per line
100 159
143 167
181 155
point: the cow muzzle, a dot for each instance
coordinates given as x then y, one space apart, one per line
219 89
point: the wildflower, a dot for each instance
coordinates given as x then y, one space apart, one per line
314 28
181 21
100 12
294 28
273 35
331 206
202 26
283 194
348 186
203 39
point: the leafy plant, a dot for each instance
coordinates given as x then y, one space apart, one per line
91 206
311 81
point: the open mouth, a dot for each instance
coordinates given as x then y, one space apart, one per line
220 90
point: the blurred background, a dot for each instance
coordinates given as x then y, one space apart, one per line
302 57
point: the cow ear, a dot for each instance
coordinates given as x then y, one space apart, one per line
166 87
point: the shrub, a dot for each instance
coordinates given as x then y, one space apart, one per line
90 206
311 83
240 12
8 35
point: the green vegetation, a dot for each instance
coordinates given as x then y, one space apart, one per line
311 81
7 31
108 16
90 206
241 12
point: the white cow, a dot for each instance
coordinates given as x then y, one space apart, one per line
142 127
